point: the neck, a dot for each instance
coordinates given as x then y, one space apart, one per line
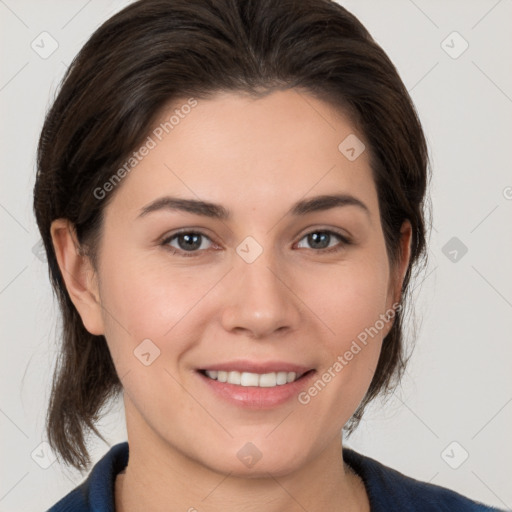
142 486
159 478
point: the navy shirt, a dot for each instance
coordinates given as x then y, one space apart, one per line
387 489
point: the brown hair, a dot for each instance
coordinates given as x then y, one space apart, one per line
154 51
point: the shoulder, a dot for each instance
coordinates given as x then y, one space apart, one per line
75 501
97 491
389 489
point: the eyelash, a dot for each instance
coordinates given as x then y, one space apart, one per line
187 254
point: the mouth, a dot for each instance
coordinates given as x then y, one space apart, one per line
253 385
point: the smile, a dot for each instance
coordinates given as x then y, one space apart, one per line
246 379
255 384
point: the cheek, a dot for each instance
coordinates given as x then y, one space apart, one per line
349 301
147 299
351 309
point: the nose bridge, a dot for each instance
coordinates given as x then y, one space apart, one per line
260 302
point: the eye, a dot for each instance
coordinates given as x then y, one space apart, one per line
187 242
321 240
190 243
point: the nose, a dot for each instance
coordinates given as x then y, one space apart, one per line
260 299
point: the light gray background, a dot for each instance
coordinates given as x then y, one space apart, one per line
459 383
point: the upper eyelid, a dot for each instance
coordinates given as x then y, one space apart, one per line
345 238
167 238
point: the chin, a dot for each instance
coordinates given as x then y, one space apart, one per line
246 459
261 469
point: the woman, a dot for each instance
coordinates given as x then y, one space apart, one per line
231 196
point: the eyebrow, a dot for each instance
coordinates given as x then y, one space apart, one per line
217 211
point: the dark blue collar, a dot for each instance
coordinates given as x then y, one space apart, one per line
387 488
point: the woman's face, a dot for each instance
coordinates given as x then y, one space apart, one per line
262 280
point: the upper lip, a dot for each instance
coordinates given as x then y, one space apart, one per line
257 367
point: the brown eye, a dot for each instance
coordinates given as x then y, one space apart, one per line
190 242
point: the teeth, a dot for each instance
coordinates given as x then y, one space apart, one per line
282 378
248 379
265 380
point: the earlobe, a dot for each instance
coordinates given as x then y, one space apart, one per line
78 275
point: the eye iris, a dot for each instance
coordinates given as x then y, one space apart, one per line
193 241
317 240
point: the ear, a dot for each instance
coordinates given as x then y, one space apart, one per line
398 274
78 274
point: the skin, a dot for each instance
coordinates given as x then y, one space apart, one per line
294 303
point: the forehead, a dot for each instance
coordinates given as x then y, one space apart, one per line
245 152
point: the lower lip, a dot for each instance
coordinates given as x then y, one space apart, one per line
254 397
